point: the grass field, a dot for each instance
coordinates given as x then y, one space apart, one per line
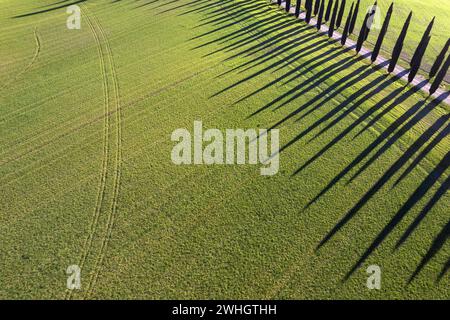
423 13
86 175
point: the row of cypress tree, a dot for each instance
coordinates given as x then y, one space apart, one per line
333 13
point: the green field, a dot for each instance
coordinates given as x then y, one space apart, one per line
423 13
87 179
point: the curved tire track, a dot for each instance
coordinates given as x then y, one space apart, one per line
88 244
33 60
118 162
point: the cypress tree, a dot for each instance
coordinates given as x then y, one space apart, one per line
333 19
415 68
309 10
421 48
440 76
370 19
317 6
355 16
288 5
362 34
440 58
399 44
328 13
376 50
297 8
340 15
347 26
320 17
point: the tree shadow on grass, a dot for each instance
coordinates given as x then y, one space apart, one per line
444 269
271 29
231 12
49 9
176 8
303 52
438 139
306 60
421 216
307 86
272 45
421 190
146 3
382 137
206 7
265 51
55 3
410 118
348 106
248 28
413 114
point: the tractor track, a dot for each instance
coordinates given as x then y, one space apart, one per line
102 189
37 51
118 162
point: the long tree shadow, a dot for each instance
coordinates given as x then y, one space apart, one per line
437 244
60 6
341 85
331 90
272 44
274 54
441 136
391 141
268 17
297 54
444 271
383 136
271 29
248 28
379 87
232 11
146 4
415 197
325 43
354 100
182 6
412 115
207 7
299 90
418 194
421 216
219 10
320 77
374 120
302 53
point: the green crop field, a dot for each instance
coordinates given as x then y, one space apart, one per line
423 13
86 176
